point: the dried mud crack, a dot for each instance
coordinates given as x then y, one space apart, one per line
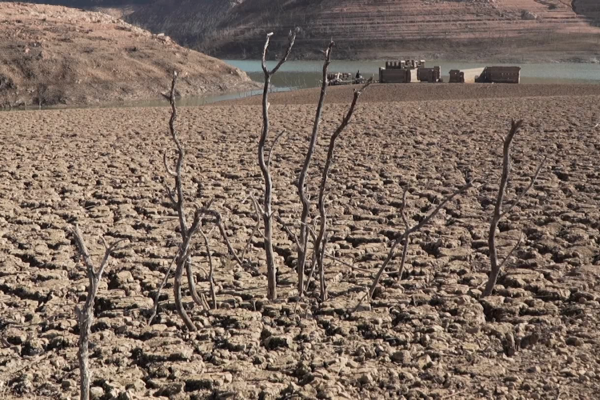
427 336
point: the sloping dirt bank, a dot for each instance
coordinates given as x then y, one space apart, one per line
59 55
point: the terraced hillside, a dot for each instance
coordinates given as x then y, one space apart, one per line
534 29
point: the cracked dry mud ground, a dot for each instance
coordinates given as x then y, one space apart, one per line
428 336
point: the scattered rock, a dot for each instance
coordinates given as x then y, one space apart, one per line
277 342
402 357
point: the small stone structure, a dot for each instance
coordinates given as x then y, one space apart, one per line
500 75
432 75
407 71
465 75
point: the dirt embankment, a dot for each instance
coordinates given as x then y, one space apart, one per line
60 55
430 335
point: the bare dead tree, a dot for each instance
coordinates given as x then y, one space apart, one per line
404 237
302 177
499 213
85 317
187 232
264 164
320 242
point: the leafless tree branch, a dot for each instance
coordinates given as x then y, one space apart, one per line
167 168
273 146
510 253
160 288
524 192
320 240
219 222
256 227
303 237
291 235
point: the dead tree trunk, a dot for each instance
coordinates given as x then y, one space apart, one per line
302 178
495 265
264 168
320 241
177 197
85 317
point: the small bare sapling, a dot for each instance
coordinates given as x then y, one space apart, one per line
501 212
85 317
404 237
187 232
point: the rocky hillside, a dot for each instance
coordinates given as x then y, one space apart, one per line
54 55
501 29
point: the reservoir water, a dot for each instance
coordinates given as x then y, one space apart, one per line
305 74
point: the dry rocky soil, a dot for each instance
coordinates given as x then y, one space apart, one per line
59 55
429 335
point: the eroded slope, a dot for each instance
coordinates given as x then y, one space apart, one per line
63 55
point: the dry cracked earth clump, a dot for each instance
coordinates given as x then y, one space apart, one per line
430 335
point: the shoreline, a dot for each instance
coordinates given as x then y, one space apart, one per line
402 92
376 93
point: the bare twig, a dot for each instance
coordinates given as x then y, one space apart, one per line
303 237
405 237
291 235
272 149
162 285
221 226
524 192
510 253
264 167
321 266
313 263
86 316
249 242
211 271
498 214
320 241
186 258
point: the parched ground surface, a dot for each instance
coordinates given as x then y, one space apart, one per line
429 335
